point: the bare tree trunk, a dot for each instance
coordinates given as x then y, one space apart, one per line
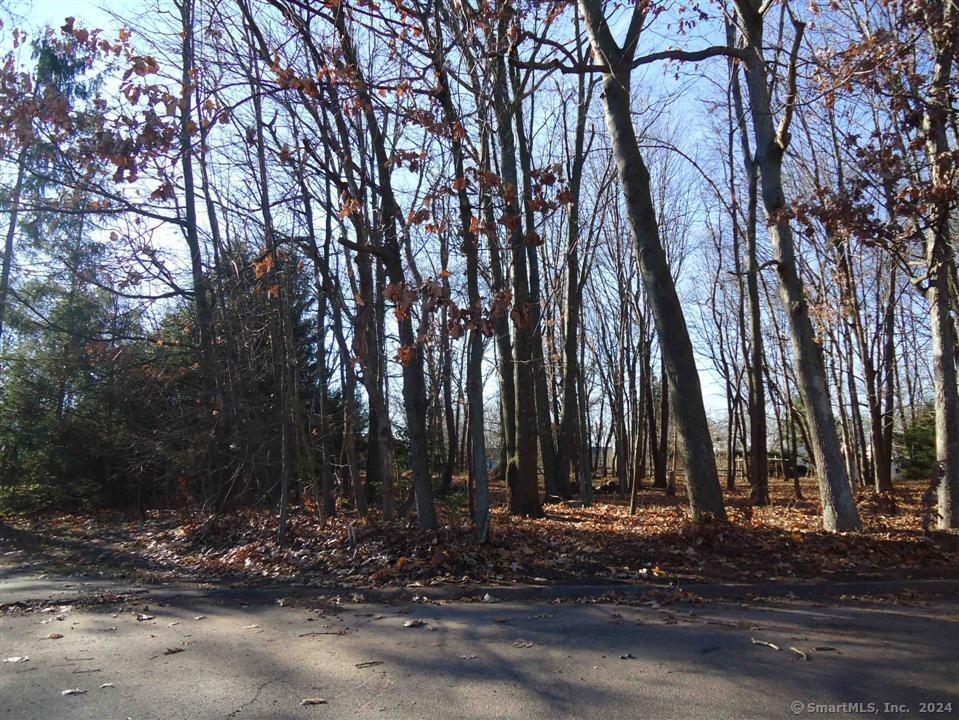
839 508
884 464
758 451
858 434
705 494
659 467
326 459
202 290
584 460
11 233
414 387
379 454
664 412
876 459
946 401
446 380
278 311
544 426
474 364
522 466
501 329
569 424
731 428
940 260
328 291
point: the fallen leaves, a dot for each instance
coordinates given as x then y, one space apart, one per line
313 701
54 636
782 541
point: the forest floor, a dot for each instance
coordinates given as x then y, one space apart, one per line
601 544
585 613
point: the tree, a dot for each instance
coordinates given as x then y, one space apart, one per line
838 506
521 466
705 496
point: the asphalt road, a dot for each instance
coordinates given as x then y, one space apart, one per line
199 655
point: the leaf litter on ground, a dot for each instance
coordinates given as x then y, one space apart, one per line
784 541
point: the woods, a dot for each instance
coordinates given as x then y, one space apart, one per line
414 260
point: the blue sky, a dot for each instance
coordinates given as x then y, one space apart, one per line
32 15
42 12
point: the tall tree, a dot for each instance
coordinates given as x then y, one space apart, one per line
522 467
838 506
705 495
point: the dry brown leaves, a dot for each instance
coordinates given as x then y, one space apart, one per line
602 542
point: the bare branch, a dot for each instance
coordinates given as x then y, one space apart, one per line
782 134
681 55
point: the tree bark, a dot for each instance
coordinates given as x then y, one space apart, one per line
838 506
569 423
474 362
202 289
544 425
11 234
940 258
758 451
705 494
521 467
414 387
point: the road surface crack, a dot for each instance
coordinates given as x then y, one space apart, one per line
251 701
